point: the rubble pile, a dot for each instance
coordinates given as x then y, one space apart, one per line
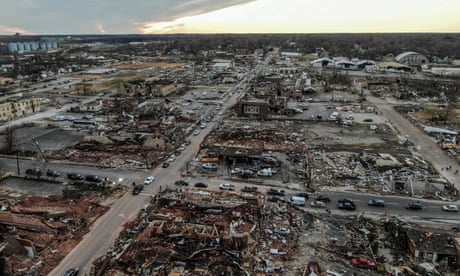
206 233
155 130
196 232
37 232
282 137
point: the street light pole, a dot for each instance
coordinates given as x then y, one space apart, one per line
17 163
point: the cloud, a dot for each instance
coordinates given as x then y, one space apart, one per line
117 16
13 30
100 28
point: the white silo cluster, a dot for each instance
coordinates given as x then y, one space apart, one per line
30 46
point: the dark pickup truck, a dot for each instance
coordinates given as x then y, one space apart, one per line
346 204
138 188
277 192
249 189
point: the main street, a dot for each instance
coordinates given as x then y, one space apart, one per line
107 228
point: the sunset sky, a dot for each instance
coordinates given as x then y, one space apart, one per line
227 16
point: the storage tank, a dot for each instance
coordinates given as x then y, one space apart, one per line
43 46
26 46
33 46
49 46
20 47
55 46
12 47
3 47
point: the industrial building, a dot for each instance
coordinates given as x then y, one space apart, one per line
411 58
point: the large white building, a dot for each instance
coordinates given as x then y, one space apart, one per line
411 58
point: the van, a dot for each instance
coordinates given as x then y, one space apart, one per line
297 200
265 172
145 207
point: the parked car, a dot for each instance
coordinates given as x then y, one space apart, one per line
196 132
450 208
283 231
266 172
201 185
376 202
277 198
52 173
302 194
227 186
270 160
297 200
323 198
277 192
209 166
346 204
149 180
235 171
172 158
71 272
246 173
34 172
181 183
248 189
368 120
93 178
165 165
75 176
317 204
414 206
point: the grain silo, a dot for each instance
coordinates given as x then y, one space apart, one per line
34 46
12 47
26 46
20 46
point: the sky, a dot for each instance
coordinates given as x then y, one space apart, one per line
227 16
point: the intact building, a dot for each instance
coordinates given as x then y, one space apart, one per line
11 110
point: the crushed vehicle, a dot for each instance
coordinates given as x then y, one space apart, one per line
363 263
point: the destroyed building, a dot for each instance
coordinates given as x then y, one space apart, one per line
38 232
205 233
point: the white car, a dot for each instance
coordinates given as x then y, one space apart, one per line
227 186
172 158
149 180
450 208
235 171
196 132
209 165
317 204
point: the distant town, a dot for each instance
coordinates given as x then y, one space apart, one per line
261 154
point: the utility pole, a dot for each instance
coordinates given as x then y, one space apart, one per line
39 149
17 163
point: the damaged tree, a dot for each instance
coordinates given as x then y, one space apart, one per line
9 140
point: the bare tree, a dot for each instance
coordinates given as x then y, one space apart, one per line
9 139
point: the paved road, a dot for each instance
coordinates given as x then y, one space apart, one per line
424 144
